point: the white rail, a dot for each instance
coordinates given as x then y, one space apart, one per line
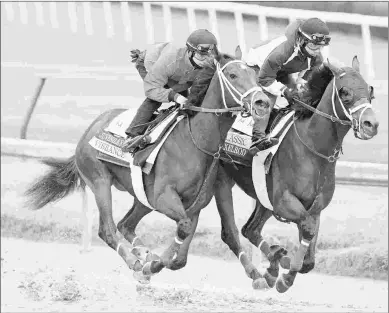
238 10
346 173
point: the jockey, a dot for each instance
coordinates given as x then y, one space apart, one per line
168 72
300 49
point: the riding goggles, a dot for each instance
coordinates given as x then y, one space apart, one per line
204 50
317 39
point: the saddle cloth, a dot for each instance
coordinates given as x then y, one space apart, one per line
109 142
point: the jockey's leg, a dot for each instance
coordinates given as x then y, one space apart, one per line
142 116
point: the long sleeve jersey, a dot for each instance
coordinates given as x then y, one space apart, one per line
169 71
280 56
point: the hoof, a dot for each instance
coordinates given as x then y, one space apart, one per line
260 284
152 257
151 268
141 252
141 278
285 262
270 279
307 267
281 284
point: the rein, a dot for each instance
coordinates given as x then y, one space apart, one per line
352 122
226 84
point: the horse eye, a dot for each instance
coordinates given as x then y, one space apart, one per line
232 76
346 93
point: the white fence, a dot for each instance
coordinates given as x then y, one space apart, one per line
346 172
239 12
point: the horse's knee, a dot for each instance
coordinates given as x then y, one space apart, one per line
184 228
307 267
308 227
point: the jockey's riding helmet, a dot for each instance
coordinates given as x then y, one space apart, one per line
201 37
315 31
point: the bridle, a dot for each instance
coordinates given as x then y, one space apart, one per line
361 104
238 97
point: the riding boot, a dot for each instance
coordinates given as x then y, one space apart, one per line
261 141
136 129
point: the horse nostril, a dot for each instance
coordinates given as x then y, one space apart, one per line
262 103
367 124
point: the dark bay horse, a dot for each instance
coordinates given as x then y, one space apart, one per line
183 176
301 179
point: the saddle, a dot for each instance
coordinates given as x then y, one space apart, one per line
111 140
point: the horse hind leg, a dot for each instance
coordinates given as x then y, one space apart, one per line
230 233
275 254
99 181
129 222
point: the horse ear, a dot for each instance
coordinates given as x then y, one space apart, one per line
336 71
238 53
355 63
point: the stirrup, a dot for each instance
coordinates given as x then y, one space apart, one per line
129 144
132 143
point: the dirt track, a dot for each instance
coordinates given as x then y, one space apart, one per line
57 277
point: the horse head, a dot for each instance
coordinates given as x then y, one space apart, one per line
238 84
351 100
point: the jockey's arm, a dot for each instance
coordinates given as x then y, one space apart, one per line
158 77
316 62
269 69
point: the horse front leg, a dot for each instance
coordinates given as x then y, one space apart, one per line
169 203
179 260
309 259
289 207
230 233
275 254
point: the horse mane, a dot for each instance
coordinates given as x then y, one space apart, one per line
203 80
317 82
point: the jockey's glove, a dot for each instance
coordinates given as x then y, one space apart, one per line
289 94
181 100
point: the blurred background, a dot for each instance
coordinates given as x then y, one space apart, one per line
83 50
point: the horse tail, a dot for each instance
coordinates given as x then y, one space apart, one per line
62 179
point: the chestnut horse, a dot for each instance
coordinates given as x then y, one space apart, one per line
181 182
301 179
